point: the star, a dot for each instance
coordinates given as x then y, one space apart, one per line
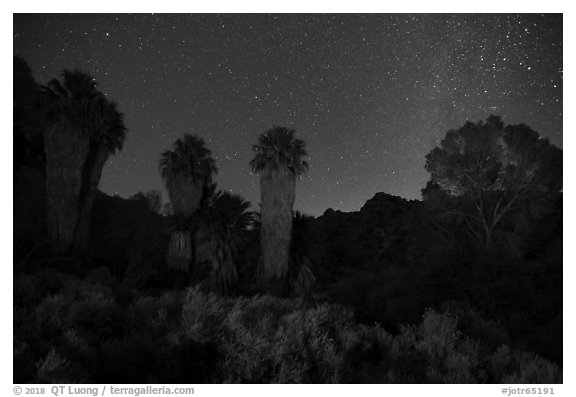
370 95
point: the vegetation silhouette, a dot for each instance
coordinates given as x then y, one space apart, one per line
152 199
491 177
187 171
29 161
220 235
300 275
28 142
464 286
81 129
279 159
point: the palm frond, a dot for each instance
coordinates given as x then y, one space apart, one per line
277 148
76 101
187 171
220 236
190 159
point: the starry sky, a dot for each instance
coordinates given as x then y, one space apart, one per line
370 95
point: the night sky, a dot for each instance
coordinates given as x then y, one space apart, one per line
369 94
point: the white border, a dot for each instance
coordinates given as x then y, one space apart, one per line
356 6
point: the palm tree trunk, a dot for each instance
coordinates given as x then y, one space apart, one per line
277 195
66 150
179 254
185 196
92 172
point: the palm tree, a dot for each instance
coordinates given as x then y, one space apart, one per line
81 129
187 172
279 159
301 278
219 238
109 141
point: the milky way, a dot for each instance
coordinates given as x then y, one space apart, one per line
370 94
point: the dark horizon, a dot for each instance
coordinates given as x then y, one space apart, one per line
371 95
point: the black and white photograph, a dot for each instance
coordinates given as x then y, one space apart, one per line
287 198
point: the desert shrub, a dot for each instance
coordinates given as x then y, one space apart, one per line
295 346
507 366
50 315
60 333
55 368
81 334
265 339
157 315
268 340
437 335
78 348
202 314
533 369
454 358
80 305
448 356
472 323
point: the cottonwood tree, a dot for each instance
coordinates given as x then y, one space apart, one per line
488 175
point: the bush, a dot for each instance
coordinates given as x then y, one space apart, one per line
267 340
81 334
506 366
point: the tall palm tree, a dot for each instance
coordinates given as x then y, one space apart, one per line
81 129
279 159
300 274
300 279
108 141
187 172
220 235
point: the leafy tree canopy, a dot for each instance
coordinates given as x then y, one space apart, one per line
489 156
487 173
